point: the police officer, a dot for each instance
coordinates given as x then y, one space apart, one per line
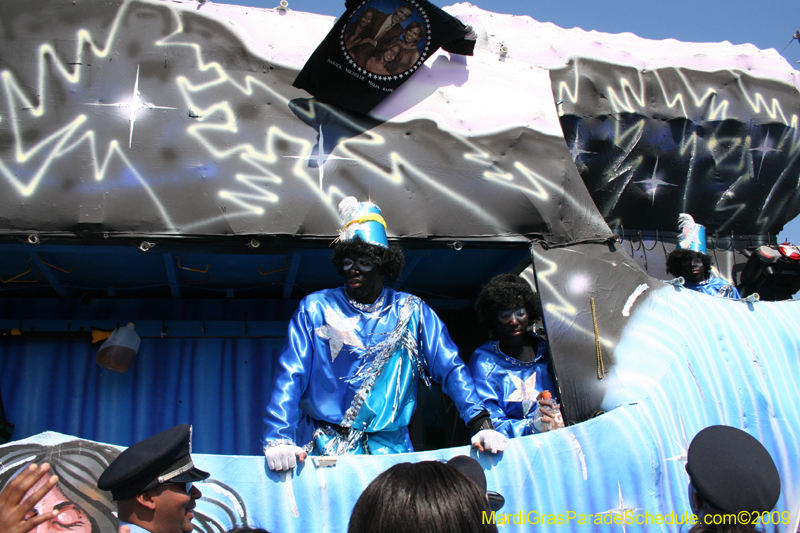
732 480
152 483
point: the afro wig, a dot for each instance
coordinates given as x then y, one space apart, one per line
676 258
506 291
388 261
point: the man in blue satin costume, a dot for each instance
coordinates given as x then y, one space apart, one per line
691 262
346 379
512 371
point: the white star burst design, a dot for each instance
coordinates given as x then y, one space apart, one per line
653 182
621 510
525 393
576 150
684 446
135 105
763 150
339 330
321 158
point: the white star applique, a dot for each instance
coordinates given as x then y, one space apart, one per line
525 393
621 511
339 331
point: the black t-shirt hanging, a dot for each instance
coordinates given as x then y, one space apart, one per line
374 47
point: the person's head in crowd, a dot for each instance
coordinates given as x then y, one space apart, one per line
362 254
153 482
729 472
79 506
692 265
508 308
247 529
471 468
425 497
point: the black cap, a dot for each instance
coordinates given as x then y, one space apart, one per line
162 458
732 471
472 469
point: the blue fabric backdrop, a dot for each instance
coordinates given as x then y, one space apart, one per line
220 386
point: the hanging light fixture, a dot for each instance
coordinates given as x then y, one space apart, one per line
119 350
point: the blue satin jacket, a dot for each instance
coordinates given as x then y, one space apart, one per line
509 387
357 367
715 286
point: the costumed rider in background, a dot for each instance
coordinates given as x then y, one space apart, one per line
512 371
691 262
346 379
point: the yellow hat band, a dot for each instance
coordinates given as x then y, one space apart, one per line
371 217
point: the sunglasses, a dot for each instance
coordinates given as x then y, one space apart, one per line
188 486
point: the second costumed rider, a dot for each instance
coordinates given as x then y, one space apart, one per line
691 262
346 379
512 371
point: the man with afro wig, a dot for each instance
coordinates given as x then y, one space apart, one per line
691 262
346 379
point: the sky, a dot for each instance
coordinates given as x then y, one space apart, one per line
764 23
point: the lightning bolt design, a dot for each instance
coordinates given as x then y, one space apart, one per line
735 160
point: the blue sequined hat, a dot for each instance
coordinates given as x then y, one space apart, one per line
362 219
693 235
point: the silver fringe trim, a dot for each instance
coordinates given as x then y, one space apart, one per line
277 442
379 355
368 308
375 358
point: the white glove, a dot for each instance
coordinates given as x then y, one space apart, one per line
283 456
489 440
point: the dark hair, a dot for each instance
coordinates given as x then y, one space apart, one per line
413 25
506 291
78 464
391 66
425 497
388 261
353 26
247 529
371 10
676 258
378 53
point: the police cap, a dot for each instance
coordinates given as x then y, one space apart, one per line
162 458
732 471
471 468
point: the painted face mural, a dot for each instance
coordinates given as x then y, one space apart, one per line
82 508
70 516
85 509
